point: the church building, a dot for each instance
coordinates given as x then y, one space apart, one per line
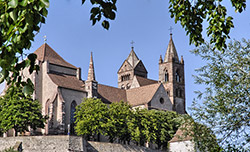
59 87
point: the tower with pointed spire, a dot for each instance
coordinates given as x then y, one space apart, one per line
171 74
131 66
91 83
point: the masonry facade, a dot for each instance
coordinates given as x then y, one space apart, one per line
59 87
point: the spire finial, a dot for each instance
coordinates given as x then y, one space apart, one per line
132 44
45 39
160 60
171 30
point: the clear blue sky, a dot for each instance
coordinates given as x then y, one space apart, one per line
71 34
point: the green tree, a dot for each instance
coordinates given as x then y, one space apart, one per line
139 126
19 112
119 113
91 117
226 98
164 126
19 20
153 126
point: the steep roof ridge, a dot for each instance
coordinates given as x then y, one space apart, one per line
45 52
171 51
133 58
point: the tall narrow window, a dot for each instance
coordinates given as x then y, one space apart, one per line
72 117
177 76
177 92
166 76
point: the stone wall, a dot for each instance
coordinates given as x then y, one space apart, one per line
111 147
183 146
42 143
66 144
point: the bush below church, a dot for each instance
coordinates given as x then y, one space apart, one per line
119 122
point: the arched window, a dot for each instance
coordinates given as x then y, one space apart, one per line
72 117
166 76
168 93
127 86
177 76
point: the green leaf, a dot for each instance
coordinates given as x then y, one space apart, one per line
27 90
45 2
112 15
13 3
2 76
32 57
23 3
105 24
13 15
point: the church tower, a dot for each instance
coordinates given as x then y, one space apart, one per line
131 66
171 74
91 83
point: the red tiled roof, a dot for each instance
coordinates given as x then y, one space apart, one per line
135 96
45 52
144 81
141 95
111 94
67 81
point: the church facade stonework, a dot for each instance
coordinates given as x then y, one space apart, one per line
59 87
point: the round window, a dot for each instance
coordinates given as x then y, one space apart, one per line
161 100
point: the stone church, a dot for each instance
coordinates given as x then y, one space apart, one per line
59 87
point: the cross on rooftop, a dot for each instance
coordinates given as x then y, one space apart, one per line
45 38
171 30
132 43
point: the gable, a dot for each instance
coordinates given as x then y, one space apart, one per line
140 67
161 100
141 95
125 67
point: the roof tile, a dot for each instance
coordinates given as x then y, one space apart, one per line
46 53
67 81
141 95
144 81
111 94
